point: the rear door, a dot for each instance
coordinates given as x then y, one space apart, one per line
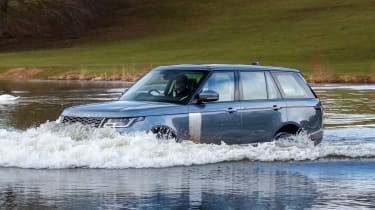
262 108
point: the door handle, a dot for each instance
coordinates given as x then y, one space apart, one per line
231 110
275 107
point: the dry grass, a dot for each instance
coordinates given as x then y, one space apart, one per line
99 77
372 76
325 73
353 79
321 72
129 73
358 78
20 73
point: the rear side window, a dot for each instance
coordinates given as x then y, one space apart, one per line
253 85
292 86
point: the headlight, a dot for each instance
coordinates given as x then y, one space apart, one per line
121 122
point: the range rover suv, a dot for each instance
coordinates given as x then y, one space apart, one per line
235 104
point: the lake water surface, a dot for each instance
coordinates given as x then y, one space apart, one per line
48 166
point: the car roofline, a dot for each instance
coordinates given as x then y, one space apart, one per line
223 67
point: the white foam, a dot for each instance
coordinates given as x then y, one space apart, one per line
6 97
19 91
339 86
55 146
115 90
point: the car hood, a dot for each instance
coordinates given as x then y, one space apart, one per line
125 109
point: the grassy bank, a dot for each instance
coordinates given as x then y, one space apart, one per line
326 40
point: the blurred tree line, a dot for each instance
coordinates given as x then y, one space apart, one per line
44 18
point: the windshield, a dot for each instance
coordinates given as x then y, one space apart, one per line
173 86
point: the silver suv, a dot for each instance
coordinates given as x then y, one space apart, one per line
236 104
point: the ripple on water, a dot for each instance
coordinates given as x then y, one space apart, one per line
348 87
6 97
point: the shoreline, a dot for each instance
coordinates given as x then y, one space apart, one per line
117 78
24 73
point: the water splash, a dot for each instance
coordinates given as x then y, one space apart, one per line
59 146
6 97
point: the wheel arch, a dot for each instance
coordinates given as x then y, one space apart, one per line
162 131
290 127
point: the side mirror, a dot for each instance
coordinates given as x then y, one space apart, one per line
123 92
208 96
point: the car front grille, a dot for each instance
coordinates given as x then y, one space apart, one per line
92 121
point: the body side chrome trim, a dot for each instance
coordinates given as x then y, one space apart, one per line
195 127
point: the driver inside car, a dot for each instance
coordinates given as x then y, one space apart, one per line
181 87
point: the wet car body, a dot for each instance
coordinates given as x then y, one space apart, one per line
235 104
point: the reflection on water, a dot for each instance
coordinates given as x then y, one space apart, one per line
237 185
341 184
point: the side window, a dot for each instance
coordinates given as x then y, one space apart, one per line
183 84
291 86
223 84
273 92
253 85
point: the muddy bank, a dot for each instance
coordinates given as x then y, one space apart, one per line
32 73
98 77
20 73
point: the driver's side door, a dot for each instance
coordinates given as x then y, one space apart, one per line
214 122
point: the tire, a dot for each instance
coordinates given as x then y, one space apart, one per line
165 133
283 139
282 135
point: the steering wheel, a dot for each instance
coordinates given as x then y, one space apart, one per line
154 92
183 98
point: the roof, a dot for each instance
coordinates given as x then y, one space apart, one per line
218 67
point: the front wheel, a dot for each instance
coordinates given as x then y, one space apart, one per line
164 133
